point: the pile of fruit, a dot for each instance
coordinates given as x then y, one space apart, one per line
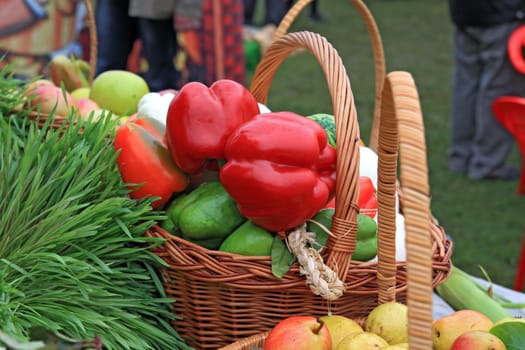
386 327
68 90
228 172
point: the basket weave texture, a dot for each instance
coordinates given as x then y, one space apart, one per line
223 297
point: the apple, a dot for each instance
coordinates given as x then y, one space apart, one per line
85 106
49 97
30 87
119 91
446 329
340 326
299 333
477 340
79 93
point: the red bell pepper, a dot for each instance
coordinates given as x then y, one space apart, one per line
145 163
279 169
367 201
200 120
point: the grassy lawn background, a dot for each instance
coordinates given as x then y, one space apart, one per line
486 219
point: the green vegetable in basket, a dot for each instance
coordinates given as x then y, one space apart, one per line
248 239
366 245
205 216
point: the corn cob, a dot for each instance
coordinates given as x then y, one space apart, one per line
460 291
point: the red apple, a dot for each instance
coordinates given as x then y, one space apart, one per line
30 87
49 96
477 340
299 333
85 106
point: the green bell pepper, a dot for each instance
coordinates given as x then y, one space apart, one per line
366 245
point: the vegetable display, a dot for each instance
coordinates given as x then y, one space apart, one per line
280 169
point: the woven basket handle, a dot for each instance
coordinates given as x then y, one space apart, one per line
377 50
401 119
341 245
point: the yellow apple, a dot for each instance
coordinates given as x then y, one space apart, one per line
119 91
446 329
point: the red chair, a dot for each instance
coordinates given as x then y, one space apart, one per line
510 112
520 272
515 47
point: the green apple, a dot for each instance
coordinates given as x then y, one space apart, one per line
119 91
80 93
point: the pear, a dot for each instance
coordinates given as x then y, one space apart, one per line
390 322
361 341
446 329
340 326
401 346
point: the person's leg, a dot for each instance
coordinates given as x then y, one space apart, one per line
116 33
159 46
492 142
465 85
314 12
249 11
275 11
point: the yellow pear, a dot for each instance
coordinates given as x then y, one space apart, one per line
401 346
446 329
361 341
340 326
390 322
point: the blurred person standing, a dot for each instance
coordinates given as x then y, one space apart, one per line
158 24
274 11
480 146
116 34
120 23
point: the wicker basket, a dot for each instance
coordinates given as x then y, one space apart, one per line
377 51
58 120
223 297
401 115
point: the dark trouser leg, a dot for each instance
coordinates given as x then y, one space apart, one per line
465 84
492 142
116 33
159 43
249 10
275 11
